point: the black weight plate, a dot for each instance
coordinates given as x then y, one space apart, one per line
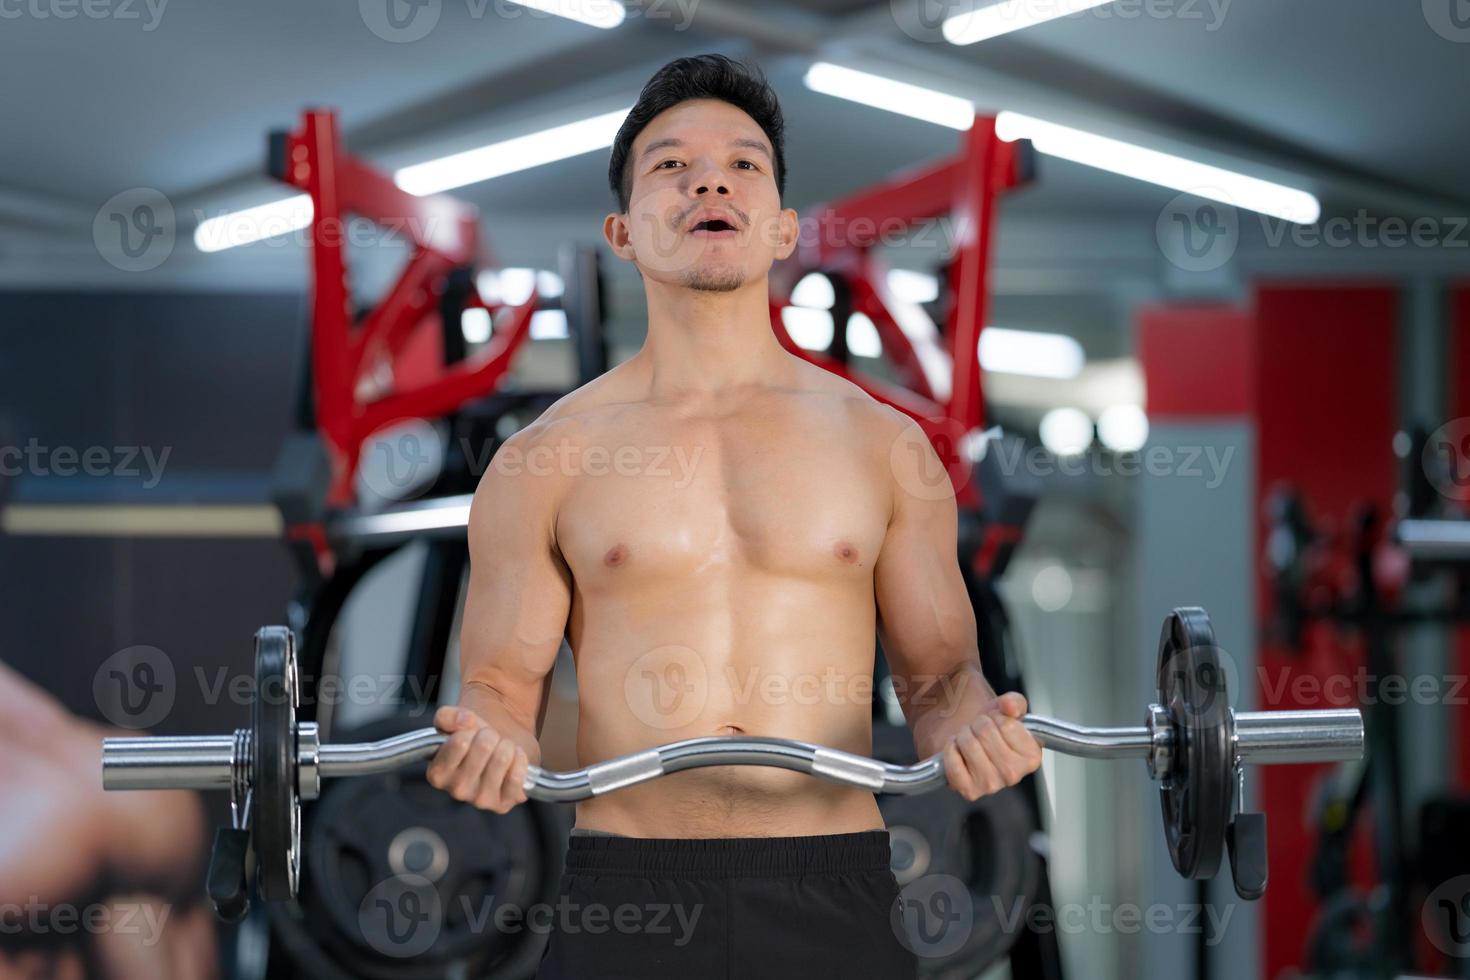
385 839
967 872
275 814
402 882
1196 795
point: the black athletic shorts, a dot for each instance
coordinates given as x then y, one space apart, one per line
740 908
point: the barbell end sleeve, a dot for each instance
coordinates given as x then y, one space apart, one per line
200 762
1280 737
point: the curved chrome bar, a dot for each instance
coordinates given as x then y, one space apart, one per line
1087 742
384 755
698 753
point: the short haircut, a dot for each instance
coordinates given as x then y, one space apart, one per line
705 76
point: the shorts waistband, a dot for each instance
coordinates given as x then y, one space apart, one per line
723 857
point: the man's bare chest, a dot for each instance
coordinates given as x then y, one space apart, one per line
653 499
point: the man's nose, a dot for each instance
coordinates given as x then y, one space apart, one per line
711 178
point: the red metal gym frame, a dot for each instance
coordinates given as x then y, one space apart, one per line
359 378
966 187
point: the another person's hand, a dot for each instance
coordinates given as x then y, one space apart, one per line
477 764
993 751
61 837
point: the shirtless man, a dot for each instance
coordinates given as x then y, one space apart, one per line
718 527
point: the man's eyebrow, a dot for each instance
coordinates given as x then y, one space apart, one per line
747 142
752 144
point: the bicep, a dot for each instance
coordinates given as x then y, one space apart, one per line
519 593
924 613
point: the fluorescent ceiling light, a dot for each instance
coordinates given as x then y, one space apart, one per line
862 337
1123 428
253 224
1066 431
549 325
814 292
605 14
513 285
913 287
809 329
512 155
996 19
1163 169
894 96
1041 355
476 325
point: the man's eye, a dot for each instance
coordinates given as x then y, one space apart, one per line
751 165
666 161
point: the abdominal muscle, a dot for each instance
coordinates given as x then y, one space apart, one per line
625 705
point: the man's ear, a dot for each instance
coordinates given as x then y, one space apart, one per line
615 230
790 225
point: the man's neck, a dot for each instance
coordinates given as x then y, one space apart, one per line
704 343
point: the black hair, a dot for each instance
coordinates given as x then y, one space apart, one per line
705 76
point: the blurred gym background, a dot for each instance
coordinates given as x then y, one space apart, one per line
1226 343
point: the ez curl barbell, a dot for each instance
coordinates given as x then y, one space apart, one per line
1194 743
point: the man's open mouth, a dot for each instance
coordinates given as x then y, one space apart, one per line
714 226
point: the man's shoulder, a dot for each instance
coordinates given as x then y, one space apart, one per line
872 416
576 413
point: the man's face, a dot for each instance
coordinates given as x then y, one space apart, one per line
701 158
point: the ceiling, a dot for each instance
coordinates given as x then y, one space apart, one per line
1354 99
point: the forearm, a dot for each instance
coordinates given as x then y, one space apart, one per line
938 708
484 700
